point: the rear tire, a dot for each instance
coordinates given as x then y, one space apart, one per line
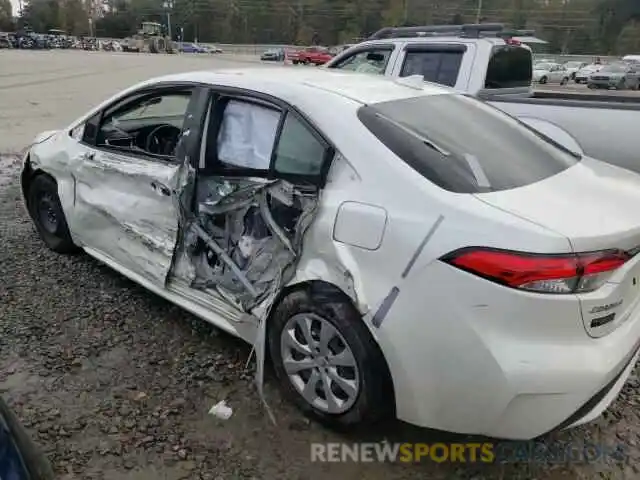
363 391
543 80
46 211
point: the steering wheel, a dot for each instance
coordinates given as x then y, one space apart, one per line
162 144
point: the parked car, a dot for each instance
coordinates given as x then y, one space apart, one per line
550 73
573 67
270 213
620 76
313 56
273 55
20 459
211 49
191 48
631 58
582 75
5 41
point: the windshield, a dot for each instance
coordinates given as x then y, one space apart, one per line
542 66
615 68
464 145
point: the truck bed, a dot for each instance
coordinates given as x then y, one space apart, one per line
604 125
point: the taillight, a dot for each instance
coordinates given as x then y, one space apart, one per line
565 273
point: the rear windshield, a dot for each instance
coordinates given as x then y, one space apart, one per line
510 66
464 145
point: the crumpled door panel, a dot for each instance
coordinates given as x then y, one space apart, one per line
124 208
245 237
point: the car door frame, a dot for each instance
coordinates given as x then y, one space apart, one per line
157 268
269 101
464 73
202 168
392 47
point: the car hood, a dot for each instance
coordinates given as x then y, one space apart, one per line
593 204
44 136
609 74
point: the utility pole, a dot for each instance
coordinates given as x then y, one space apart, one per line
479 12
168 5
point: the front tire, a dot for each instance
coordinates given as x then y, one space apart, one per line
327 362
46 211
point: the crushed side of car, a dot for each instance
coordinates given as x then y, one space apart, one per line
244 237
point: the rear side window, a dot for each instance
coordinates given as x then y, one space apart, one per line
438 66
464 145
510 66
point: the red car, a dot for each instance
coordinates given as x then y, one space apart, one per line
313 55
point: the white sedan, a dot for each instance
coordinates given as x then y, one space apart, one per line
484 282
547 72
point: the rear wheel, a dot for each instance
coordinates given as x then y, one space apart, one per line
592 86
47 214
543 80
564 81
327 362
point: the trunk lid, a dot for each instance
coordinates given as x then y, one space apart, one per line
594 204
597 207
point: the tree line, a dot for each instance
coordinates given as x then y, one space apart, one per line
570 26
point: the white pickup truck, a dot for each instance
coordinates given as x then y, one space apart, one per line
491 63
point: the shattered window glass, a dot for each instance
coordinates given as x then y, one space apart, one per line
299 152
247 135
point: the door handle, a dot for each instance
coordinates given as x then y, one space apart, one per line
163 190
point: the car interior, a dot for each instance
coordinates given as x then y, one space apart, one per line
151 124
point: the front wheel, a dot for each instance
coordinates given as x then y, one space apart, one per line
327 362
543 80
46 211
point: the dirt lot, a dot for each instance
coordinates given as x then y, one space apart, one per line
115 383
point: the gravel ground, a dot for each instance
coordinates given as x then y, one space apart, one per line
115 383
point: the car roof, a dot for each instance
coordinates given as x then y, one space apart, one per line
291 83
432 39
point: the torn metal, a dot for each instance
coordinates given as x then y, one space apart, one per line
242 237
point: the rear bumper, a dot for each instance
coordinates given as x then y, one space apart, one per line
472 357
597 404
